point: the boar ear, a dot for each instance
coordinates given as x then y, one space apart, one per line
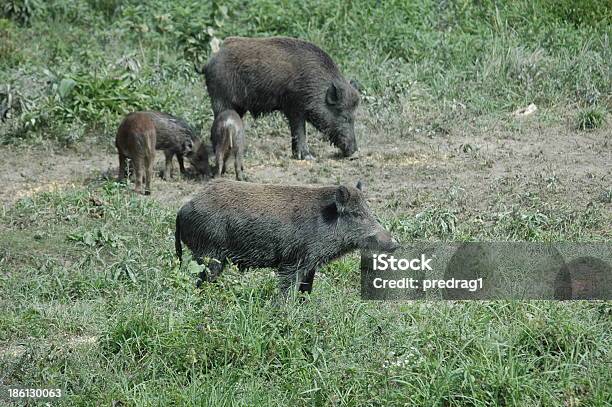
359 185
332 97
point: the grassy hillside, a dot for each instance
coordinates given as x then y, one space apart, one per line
74 67
93 300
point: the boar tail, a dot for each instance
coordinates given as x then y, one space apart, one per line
230 135
177 239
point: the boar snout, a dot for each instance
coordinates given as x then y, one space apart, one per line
350 149
381 240
346 143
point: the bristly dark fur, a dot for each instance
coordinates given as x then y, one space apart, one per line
262 75
296 229
141 133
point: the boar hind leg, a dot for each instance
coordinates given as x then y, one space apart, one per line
225 161
220 162
238 167
139 173
168 168
210 273
149 161
215 267
122 166
299 146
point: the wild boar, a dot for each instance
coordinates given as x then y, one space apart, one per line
136 139
141 133
198 157
262 75
296 229
227 136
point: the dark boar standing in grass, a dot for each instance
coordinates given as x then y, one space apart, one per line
227 136
296 229
262 75
141 133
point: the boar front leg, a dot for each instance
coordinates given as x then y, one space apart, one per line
299 146
295 275
287 277
307 280
179 158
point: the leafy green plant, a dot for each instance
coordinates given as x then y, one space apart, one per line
108 8
590 118
92 97
22 11
97 238
10 53
606 196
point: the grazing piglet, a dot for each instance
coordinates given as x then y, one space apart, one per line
198 157
296 229
141 133
227 136
262 75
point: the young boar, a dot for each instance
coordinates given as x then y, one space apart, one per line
198 157
141 133
296 229
227 136
262 75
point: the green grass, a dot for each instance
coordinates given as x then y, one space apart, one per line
590 118
94 302
489 56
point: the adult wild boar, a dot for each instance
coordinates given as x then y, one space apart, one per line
296 229
141 133
262 75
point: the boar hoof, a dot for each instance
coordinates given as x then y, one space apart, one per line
304 156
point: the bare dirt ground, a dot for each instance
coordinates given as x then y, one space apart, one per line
467 165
